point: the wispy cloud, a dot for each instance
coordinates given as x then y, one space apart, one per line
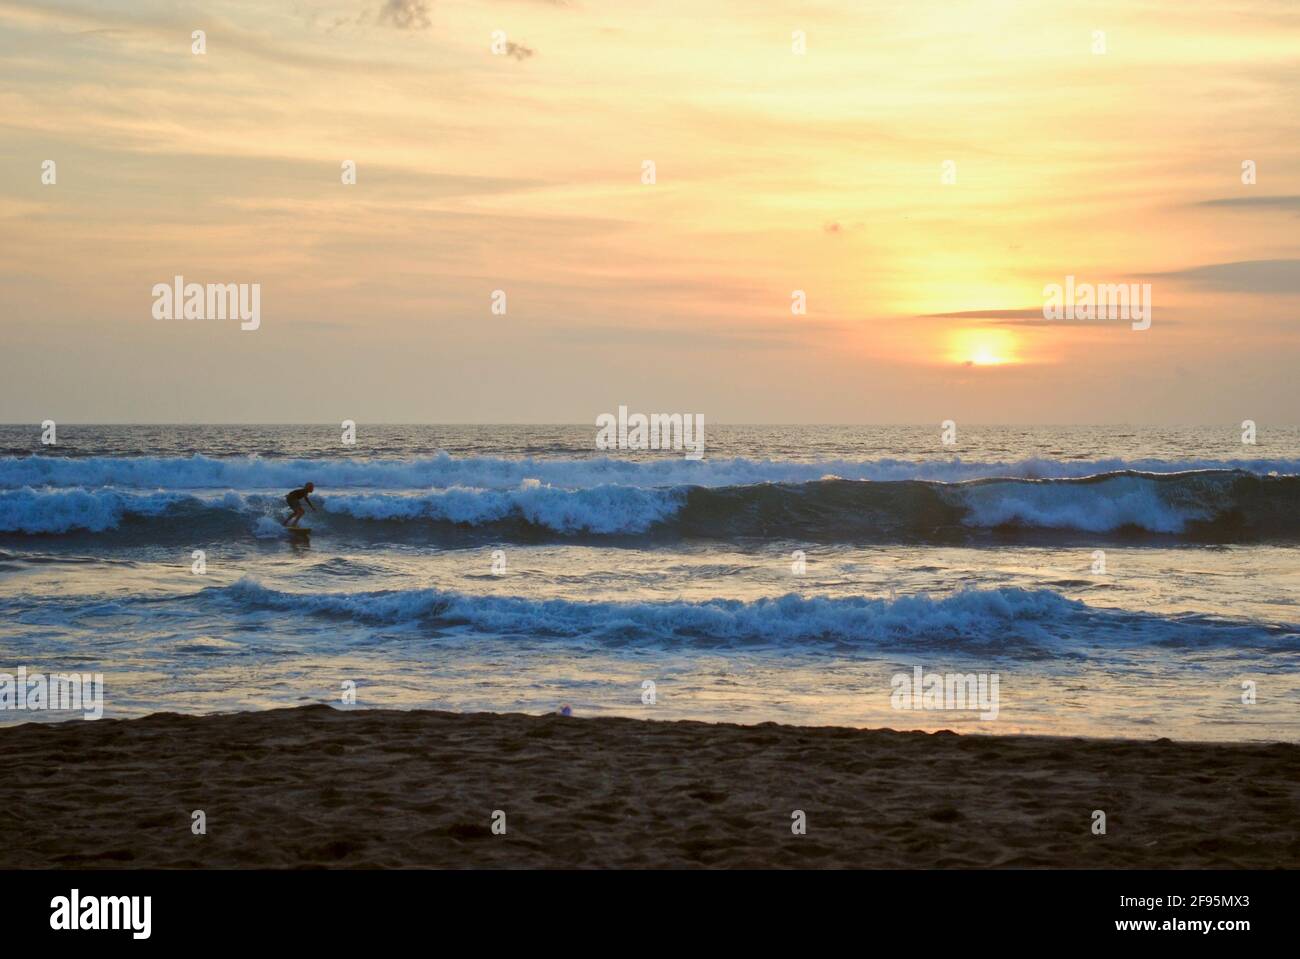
1032 316
1015 314
1244 276
406 14
145 27
1282 202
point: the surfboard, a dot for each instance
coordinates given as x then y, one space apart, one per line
298 529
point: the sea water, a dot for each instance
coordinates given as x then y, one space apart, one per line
1116 581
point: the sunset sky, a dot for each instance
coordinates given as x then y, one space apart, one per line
775 172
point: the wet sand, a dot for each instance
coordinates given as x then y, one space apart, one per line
320 787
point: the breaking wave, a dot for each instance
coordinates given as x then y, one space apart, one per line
1206 505
1004 620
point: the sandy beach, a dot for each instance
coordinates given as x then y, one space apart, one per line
319 787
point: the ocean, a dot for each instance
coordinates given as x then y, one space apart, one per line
1116 581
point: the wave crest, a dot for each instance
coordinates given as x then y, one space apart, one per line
1005 620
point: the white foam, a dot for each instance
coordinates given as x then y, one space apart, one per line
1099 507
603 509
59 511
997 617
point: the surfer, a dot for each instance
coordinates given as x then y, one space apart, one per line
295 500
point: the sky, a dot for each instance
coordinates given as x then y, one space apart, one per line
916 173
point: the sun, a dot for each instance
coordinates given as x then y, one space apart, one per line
983 347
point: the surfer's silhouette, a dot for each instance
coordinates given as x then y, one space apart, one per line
295 500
